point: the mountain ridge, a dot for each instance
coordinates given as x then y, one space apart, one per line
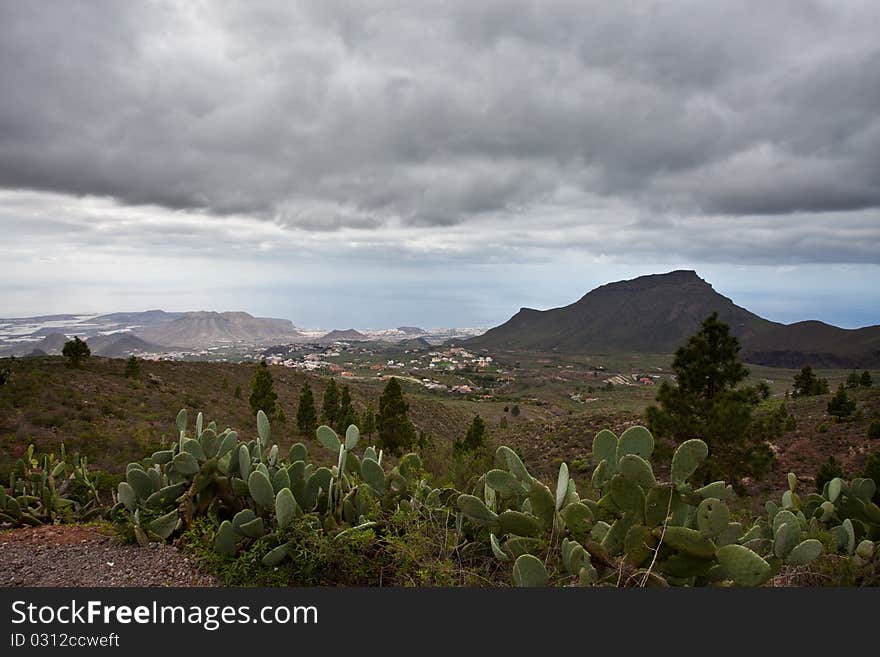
658 312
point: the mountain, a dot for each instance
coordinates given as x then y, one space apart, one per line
141 319
658 313
817 344
650 314
51 345
348 335
120 345
411 330
203 329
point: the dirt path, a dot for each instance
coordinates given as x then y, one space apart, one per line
75 555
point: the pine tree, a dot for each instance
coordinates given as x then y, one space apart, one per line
330 405
840 405
306 416
807 384
474 439
263 395
75 351
346 415
132 367
853 380
706 402
368 422
237 392
396 433
865 380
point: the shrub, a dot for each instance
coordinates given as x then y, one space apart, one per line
132 367
828 471
874 430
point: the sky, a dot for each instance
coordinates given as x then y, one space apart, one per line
381 163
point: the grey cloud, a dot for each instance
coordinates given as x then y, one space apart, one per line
329 116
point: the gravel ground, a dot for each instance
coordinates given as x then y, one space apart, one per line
74 555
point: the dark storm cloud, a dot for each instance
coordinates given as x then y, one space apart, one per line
523 117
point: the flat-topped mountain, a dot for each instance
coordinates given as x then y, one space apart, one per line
657 314
204 328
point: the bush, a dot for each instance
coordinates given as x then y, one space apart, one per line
872 471
828 471
874 430
132 367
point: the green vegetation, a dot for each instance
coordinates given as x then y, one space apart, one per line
474 439
114 420
830 470
330 405
76 351
874 430
706 402
44 488
840 406
306 416
856 380
345 415
807 384
368 422
396 432
132 367
246 502
263 396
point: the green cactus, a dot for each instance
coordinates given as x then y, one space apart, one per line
686 459
529 571
743 566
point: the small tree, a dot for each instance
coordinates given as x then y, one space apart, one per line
75 351
5 376
330 405
306 415
368 422
237 392
280 415
853 380
514 411
346 415
840 405
263 395
132 367
807 384
865 380
396 433
474 439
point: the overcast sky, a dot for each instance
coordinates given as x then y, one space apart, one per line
379 163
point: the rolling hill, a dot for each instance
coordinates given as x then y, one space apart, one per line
817 344
657 313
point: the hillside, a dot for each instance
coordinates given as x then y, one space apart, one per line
202 329
649 314
99 412
817 344
346 335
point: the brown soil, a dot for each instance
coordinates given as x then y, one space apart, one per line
77 555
